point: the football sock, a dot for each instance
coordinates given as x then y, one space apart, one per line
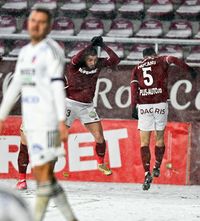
159 153
61 202
43 195
100 150
23 161
146 157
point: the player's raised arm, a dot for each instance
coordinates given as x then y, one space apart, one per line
182 64
134 93
113 58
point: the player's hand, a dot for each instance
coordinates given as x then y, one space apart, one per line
1 126
63 131
135 113
97 41
193 72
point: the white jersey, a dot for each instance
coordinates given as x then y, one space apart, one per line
39 77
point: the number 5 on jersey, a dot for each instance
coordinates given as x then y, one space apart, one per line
148 79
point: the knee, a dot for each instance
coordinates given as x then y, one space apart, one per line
160 142
144 143
145 140
49 188
98 137
45 177
43 174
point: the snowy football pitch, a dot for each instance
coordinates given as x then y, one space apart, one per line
123 202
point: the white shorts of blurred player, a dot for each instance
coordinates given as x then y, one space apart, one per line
44 146
85 112
152 116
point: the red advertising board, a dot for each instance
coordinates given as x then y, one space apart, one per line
123 153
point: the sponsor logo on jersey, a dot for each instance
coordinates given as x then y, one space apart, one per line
151 111
30 100
83 71
28 72
27 76
92 114
148 63
150 91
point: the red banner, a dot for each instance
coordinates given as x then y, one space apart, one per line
123 153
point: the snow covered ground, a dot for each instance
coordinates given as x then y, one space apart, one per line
123 202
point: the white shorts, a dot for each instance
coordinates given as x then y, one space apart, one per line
86 113
44 146
152 116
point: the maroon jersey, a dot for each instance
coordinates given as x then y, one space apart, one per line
150 77
81 83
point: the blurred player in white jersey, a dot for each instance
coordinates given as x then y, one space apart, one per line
39 77
149 93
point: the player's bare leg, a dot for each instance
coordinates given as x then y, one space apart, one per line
97 131
159 152
146 157
48 188
23 161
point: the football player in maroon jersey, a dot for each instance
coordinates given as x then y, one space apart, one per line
149 96
82 74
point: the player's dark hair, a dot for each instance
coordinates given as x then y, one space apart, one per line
45 11
148 52
92 51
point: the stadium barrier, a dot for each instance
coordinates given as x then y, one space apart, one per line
123 153
155 41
